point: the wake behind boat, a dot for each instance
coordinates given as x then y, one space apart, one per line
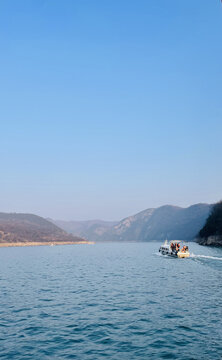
174 248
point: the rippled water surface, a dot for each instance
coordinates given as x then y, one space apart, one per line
115 301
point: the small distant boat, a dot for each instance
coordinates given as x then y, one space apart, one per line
174 248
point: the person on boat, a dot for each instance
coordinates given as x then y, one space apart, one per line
183 249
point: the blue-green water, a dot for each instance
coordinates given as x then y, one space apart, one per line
115 301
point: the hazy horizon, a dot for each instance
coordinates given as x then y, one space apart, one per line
107 220
109 108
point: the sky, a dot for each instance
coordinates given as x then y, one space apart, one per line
109 107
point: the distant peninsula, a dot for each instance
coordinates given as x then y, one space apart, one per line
28 230
211 233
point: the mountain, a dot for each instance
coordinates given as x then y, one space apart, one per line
29 228
211 233
171 222
89 229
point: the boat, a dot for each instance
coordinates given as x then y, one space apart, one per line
174 248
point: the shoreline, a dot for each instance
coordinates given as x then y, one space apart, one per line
45 243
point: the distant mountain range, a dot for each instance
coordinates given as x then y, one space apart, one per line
28 228
89 229
166 222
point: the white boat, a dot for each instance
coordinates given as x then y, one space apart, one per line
174 248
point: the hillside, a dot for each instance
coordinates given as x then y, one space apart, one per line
211 233
167 221
28 228
89 229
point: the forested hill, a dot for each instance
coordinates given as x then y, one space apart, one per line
29 228
211 233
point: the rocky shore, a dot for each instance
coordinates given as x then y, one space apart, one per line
215 240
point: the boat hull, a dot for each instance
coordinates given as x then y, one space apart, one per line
182 255
165 250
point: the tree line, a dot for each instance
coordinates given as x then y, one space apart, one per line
213 225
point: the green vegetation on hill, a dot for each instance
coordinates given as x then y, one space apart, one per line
213 225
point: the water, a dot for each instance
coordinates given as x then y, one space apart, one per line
115 301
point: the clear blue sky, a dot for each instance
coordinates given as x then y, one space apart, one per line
109 107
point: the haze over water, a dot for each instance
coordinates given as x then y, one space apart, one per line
116 301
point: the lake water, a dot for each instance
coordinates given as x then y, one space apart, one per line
115 301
